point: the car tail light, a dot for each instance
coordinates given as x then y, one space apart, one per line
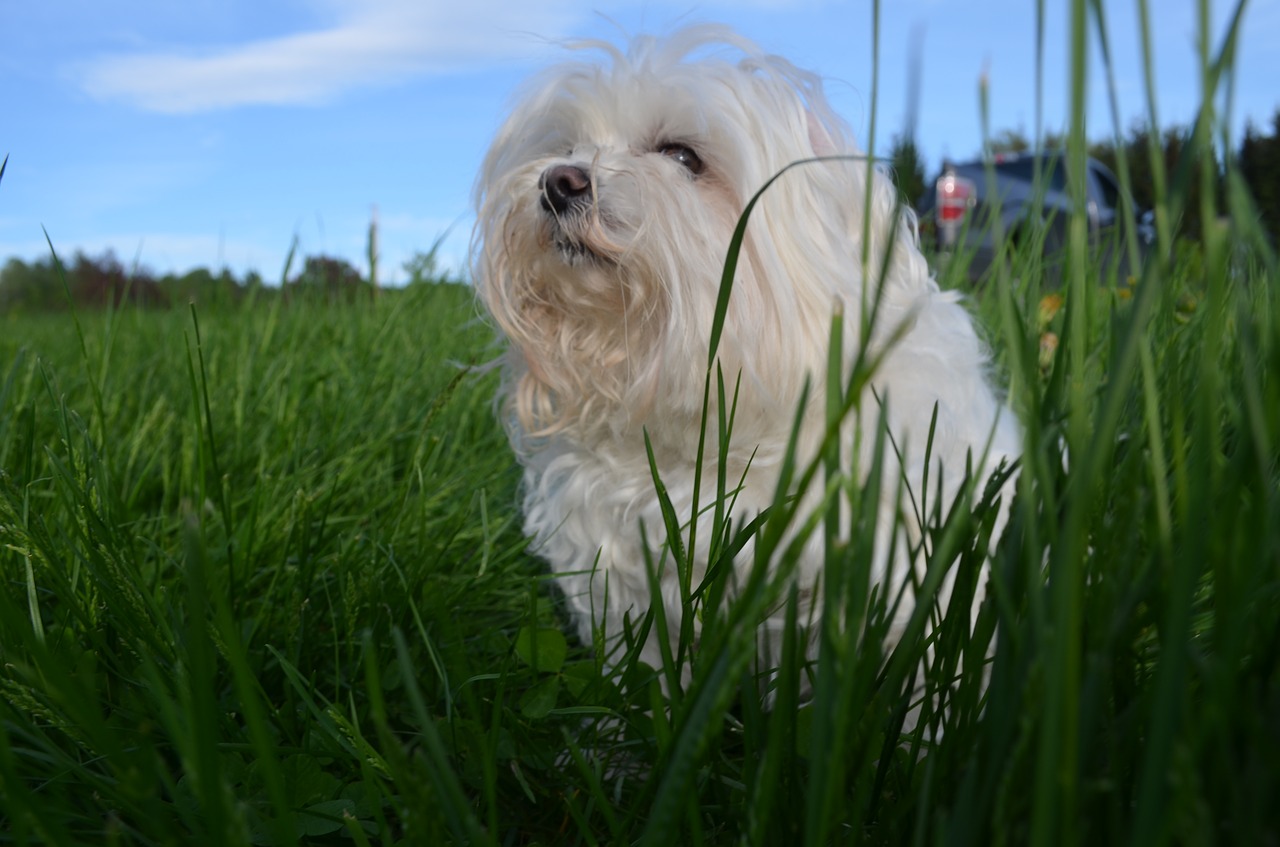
956 196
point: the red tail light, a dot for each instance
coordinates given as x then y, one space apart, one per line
956 195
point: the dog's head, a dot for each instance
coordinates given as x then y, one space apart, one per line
607 204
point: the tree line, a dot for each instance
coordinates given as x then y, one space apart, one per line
1257 158
98 281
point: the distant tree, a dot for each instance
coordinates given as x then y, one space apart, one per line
1259 163
30 287
202 287
97 281
1134 147
1053 140
193 286
1008 141
92 281
335 279
424 265
1175 144
907 169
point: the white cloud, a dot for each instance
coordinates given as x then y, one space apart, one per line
371 43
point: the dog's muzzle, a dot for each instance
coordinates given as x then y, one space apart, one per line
563 187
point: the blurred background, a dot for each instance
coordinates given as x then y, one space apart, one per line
228 139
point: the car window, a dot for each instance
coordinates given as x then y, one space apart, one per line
1057 175
1018 168
1024 169
1107 186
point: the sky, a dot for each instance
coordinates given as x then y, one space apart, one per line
212 133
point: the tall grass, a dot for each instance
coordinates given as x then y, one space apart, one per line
263 583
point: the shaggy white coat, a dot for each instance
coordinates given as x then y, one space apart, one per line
607 306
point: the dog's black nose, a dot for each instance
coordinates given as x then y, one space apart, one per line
563 186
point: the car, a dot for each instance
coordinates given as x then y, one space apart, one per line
1027 194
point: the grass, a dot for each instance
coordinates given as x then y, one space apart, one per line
263 582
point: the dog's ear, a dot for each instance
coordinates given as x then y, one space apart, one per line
819 138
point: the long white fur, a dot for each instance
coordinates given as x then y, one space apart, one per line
606 344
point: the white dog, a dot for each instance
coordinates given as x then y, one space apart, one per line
605 209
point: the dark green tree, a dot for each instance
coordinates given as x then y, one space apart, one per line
1259 163
30 287
1008 141
202 287
424 265
907 169
98 281
331 278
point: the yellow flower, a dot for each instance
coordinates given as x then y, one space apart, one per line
1050 305
1048 346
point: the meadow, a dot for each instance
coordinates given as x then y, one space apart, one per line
263 581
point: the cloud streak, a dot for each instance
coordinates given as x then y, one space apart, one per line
372 43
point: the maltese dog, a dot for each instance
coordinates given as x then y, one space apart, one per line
606 206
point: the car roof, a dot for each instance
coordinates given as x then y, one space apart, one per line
1009 158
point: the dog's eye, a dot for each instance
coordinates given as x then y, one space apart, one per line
683 154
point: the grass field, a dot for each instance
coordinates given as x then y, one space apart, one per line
263 582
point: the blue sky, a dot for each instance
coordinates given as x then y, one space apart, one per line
211 132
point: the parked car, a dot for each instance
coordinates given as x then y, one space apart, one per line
960 213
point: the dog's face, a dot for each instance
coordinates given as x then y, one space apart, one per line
605 199
607 204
